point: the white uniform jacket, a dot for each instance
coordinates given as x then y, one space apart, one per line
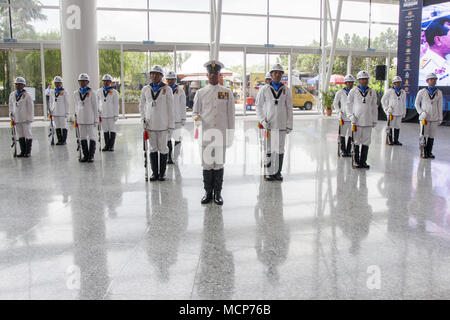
214 104
363 107
87 109
179 104
340 103
432 105
23 108
59 104
278 116
158 113
109 105
397 102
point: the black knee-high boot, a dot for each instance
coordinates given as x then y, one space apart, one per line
64 136
23 148
356 154
349 147
217 186
278 175
162 166
343 148
106 135
59 136
208 185
396 136
85 149
429 148
92 146
363 159
28 145
154 165
112 140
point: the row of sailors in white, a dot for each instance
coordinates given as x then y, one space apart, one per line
92 107
350 104
358 107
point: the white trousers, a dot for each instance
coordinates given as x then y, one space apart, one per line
23 130
396 122
346 129
108 125
363 135
213 157
60 122
176 134
430 129
158 141
88 132
275 142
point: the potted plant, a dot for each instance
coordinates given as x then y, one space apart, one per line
327 101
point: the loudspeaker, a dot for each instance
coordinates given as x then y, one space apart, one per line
380 72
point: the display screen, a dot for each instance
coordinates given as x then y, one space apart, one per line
435 43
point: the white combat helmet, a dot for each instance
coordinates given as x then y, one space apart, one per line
277 67
83 76
349 78
430 76
268 76
158 69
20 80
171 75
107 77
57 79
363 74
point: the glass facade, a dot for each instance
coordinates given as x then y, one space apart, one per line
291 23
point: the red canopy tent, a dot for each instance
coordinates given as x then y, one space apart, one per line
337 79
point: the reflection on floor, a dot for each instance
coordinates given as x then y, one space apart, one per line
98 231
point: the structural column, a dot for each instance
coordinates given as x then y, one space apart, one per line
79 51
349 63
388 67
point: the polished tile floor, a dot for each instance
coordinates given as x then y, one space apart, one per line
98 231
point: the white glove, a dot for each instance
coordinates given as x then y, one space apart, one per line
352 118
11 115
288 130
374 124
183 122
265 124
67 115
340 114
116 118
389 110
403 115
423 116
